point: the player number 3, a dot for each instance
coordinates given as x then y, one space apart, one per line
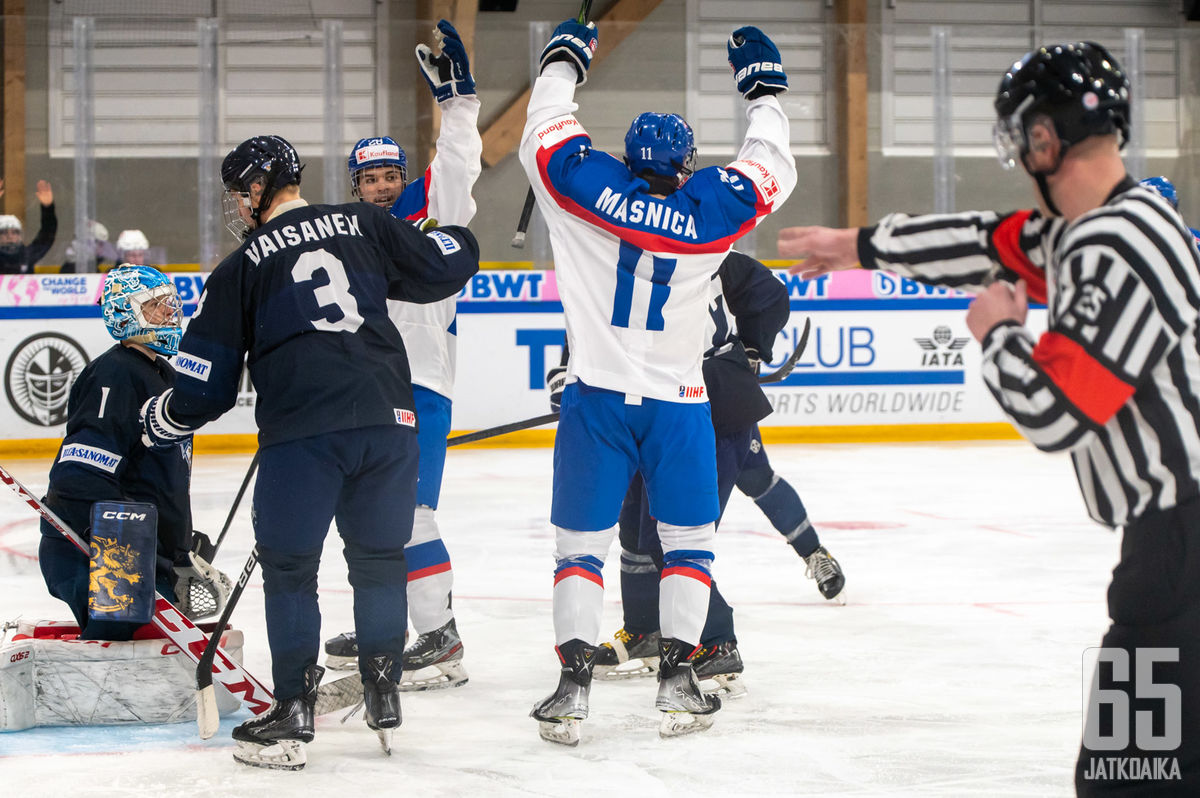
336 292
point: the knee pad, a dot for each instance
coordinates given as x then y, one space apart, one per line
425 526
288 571
754 482
685 537
571 544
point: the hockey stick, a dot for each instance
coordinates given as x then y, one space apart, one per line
208 716
237 500
503 429
178 628
549 418
518 241
781 373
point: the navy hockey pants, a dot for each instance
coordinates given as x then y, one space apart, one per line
638 533
365 480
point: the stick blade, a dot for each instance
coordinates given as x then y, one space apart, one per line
208 717
518 241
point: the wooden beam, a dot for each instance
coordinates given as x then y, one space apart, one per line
12 162
461 14
851 89
503 134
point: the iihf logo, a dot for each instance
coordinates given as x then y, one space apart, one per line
39 376
943 349
691 391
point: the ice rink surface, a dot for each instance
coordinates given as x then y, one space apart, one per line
975 582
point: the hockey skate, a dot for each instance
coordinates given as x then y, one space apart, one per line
381 700
719 669
438 655
628 656
341 652
685 709
276 739
559 714
828 573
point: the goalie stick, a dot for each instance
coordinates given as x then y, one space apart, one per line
178 628
518 241
776 376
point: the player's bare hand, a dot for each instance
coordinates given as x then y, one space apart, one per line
822 249
45 194
997 303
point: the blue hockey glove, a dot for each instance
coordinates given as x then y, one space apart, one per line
757 67
556 380
448 74
158 430
574 43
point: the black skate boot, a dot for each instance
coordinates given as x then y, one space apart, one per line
719 669
341 652
628 656
381 699
560 713
828 573
441 651
276 738
685 708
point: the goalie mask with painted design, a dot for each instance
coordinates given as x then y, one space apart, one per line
140 305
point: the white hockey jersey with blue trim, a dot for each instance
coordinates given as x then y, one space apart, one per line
633 269
442 193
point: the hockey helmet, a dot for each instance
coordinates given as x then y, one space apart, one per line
369 153
661 145
1080 87
269 159
140 304
1163 188
132 246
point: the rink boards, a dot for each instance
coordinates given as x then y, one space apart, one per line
887 359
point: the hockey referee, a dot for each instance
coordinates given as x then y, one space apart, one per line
1115 380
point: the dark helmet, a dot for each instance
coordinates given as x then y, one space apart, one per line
661 145
1080 87
269 157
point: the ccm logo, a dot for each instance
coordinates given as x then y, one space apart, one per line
20 655
123 515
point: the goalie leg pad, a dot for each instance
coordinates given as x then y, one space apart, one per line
124 541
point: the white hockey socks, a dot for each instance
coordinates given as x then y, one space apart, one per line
430 577
686 580
579 584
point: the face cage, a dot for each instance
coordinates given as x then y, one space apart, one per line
231 201
357 173
169 298
1008 137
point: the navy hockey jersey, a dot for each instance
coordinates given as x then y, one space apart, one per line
102 457
305 298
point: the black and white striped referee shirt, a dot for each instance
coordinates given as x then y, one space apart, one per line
1116 377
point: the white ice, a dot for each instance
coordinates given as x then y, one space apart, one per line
975 583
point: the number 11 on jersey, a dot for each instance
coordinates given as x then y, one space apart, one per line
627 262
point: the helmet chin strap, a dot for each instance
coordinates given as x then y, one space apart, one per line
1044 190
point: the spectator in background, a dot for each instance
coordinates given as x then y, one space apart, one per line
15 257
98 240
133 247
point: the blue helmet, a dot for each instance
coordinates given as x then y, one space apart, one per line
1164 188
140 304
663 145
380 151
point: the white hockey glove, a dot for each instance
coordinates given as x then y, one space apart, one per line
201 590
556 380
158 428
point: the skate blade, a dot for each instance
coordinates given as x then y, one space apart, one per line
338 694
729 685
335 663
630 669
677 724
563 731
839 599
439 676
280 755
385 740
